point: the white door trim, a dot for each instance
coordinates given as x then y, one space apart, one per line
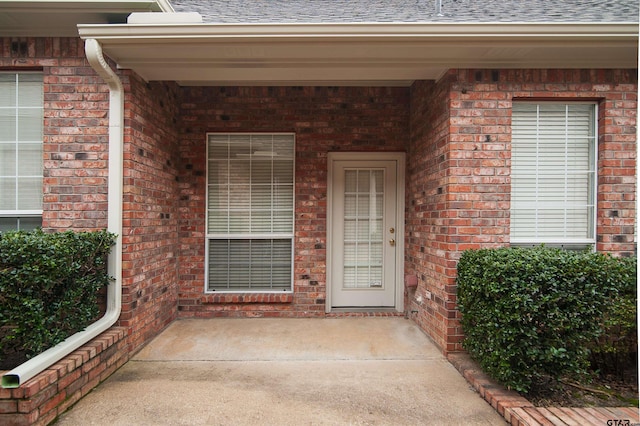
400 159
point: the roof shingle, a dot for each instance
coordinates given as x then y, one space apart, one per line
372 11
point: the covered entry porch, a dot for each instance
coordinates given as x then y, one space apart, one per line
286 372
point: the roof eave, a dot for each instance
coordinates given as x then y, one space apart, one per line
388 53
55 18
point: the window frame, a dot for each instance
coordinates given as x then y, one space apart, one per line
248 236
581 243
17 215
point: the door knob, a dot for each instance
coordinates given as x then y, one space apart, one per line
392 243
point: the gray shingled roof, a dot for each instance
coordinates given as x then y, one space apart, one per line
353 11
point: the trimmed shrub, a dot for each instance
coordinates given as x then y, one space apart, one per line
615 352
48 287
530 314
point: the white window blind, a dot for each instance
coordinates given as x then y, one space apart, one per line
21 118
250 198
553 173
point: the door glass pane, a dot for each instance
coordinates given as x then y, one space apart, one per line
363 219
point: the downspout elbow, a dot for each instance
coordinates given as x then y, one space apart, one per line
39 363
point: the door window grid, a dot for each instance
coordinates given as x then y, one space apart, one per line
363 219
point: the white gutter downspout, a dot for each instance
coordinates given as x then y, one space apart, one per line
637 203
39 363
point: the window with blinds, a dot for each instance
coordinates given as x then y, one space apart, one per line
250 199
553 174
21 120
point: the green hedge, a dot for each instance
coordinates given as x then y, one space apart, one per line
48 287
615 352
531 314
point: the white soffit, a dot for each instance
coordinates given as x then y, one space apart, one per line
55 18
355 54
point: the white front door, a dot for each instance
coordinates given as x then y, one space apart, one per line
364 236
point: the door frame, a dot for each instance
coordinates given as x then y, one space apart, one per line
400 159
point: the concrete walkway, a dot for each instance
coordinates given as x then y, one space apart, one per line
337 371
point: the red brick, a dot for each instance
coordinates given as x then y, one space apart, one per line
52 403
19 419
8 406
64 381
35 401
68 402
567 416
35 385
586 417
46 419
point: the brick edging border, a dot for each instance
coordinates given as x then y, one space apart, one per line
40 400
500 398
518 411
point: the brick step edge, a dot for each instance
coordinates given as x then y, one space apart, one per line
501 399
518 411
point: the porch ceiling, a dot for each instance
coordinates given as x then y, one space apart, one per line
389 54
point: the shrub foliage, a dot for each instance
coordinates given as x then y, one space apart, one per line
615 353
531 314
48 286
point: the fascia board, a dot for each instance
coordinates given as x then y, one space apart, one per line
79 6
47 18
422 31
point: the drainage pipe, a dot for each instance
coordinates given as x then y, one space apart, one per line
39 363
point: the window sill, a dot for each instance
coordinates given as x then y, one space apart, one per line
577 246
227 298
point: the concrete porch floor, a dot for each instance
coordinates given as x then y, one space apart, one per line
334 371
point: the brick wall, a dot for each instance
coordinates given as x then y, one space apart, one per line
75 154
324 119
427 221
150 208
459 180
75 132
